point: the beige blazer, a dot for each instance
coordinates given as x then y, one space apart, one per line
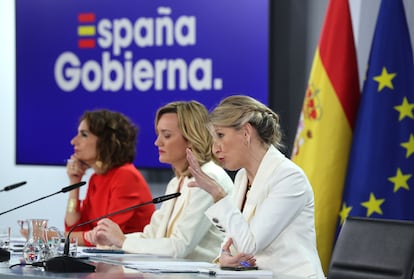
277 223
179 228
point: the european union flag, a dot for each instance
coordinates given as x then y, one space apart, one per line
380 175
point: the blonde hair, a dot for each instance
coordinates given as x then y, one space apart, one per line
192 119
237 110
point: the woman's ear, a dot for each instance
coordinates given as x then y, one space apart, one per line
247 129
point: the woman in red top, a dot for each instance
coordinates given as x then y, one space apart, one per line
106 142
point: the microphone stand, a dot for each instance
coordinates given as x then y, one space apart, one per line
4 254
66 263
63 190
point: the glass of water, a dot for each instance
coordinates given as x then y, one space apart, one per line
5 237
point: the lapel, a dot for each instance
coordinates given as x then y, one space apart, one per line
168 208
242 185
177 205
261 186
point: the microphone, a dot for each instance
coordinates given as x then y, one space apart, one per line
71 187
4 254
165 198
13 186
63 190
66 263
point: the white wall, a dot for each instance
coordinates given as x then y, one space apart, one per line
44 180
41 181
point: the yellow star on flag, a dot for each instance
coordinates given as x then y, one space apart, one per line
400 180
409 145
373 205
405 109
385 79
344 213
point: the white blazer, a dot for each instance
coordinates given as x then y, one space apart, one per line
179 228
277 223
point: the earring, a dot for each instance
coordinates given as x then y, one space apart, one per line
99 164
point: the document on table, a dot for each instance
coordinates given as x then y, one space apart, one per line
245 273
98 252
165 266
191 267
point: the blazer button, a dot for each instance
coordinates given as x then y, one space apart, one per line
215 220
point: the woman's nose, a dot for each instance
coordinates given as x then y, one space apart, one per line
72 141
215 148
156 142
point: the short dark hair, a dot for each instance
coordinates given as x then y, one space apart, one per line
117 137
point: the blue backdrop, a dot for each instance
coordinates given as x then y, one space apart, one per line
131 56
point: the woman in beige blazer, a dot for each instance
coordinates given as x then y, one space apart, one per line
270 220
179 228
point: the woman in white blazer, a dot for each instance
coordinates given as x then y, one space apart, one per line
269 222
179 228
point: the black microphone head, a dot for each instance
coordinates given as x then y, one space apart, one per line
166 197
14 186
72 187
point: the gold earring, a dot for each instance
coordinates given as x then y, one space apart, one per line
99 164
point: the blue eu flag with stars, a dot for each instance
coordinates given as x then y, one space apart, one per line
380 175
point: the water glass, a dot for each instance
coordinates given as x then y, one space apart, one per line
5 237
56 244
73 246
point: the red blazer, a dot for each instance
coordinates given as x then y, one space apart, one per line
119 188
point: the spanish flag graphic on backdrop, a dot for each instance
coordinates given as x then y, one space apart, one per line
380 178
327 119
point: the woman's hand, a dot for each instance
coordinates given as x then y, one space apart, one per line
242 259
75 169
107 233
90 236
202 180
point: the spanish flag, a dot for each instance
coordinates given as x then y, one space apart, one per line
327 120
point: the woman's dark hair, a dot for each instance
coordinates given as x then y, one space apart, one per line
117 137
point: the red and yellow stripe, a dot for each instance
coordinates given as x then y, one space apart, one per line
86 30
324 135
